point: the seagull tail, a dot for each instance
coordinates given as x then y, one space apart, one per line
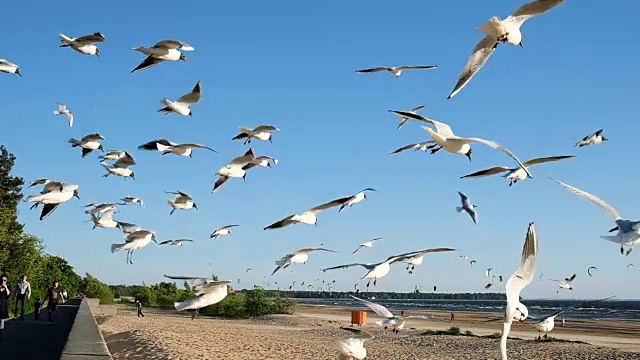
459 209
56 112
116 247
183 305
64 38
74 142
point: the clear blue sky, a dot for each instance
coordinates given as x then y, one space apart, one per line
292 65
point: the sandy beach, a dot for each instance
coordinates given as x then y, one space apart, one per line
312 332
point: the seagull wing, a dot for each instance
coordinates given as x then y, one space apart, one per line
193 97
173 44
547 159
281 223
589 270
47 210
221 180
532 9
227 227
150 61
497 146
594 199
366 266
93 38
571 278
464 198
441 128
166 242
377 308
265 128
198 146
560 311
92 137
487 172
417 108
380 68
308 250
479 57
329 205
357 249
524 275
125 161
416 67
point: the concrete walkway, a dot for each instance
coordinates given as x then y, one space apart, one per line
41 340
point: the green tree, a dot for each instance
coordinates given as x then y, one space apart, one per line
94 288
10 195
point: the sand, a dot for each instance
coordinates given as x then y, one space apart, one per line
313 331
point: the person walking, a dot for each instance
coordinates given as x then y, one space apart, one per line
452 317
54 294
139 307
5 293
23 293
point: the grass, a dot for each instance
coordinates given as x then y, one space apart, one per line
455 331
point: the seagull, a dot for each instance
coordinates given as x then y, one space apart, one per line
165 50
134 241
417 257
628 230
185 150
545 324
416 147
48 185
493 280
105 220
497 30
566 283
128 228
299 256
368 244
593 139
99 208
349 201
468 207
630 265
157 145
62 110
177 242
515 310
261 132
182 201
472 262
397 70
112 155
235 168
515 174
308 217
121 167
262 161
132 200
589 270
88 143
375 271
404 119
397 322
445 138
352 348
52 198
222 231
83 44
7 66
488 272
181 106
207 293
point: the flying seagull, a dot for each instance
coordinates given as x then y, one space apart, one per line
132 200
236 168
308 217
261 132
88 143
404 119
349 201
628 230
566 283
177 242
497 30
589 270
352 348
396 322
207 291
181 106
493 280
593 139
417 257
185 150
515 174
62 110
134 241
105 220
468 207
181 202
515 310
222 231
112 155
165 50
51 197
368 244
7 66
84 44
157 145
397 70
299 256
416 147
121 167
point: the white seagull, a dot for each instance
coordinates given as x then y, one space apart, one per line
516 310
261 132
7 66
181 202
566 283
181 106
497 30
185 150
515 174
62 110
83 44
308 217
157 145
299 256
222 231
165 50
236 168
405 119
397 70
207 293
545 324
628 230
177 242
416 147
417 257
105 220
397 322
56 194
134 241
132 200
352 348
88 143
368 244
349 201
593 139
468 207
121 167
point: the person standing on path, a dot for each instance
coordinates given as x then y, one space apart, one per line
23 293
452 317
139 307
54 294
5 293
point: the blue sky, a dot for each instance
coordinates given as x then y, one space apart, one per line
292 65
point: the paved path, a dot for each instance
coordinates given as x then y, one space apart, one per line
39 340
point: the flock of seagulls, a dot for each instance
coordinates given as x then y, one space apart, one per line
208 291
